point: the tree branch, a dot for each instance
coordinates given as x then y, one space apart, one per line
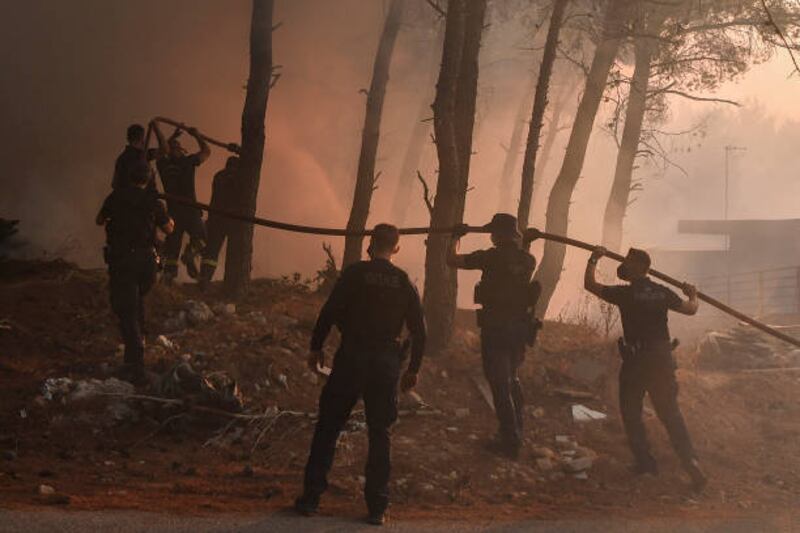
698 98
774 24
426 193
436 7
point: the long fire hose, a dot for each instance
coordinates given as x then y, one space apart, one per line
476 229
231 147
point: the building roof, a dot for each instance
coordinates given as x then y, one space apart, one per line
729 227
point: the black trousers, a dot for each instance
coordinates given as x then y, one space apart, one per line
373 377
131 276
217 230
502 352
186 221
653 373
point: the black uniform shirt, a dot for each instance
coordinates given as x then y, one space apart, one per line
132 167
223 189
369 304
133 215
506 271
177 177
643 307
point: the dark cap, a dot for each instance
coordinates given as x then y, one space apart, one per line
503 225
384 238
639 258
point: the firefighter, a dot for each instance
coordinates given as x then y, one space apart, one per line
505 319
648 365
177 170
370 304
131 214
218 228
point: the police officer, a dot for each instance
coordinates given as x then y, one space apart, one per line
370 303
648 365
223 190
505 321
177 171
131 214
128 163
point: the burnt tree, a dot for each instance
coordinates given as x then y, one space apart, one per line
453 122
239 254
370 135
557 216
645 48
537 114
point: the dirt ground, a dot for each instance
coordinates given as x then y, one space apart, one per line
55 322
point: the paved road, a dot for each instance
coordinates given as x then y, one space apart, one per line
48 520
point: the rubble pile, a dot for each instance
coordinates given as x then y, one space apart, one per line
744 347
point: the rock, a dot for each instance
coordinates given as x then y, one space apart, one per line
224 309
46 490
93 388
176 323
462 412
452 429
9 455
198 312
444 374
565 442
543 452
56 388
312 377
164 342
284 381
581 413
577 464
426 487
581 475
544 464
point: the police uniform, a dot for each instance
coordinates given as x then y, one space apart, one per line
129 164
648 367
223 190
504 321
370 303
178 178
133 214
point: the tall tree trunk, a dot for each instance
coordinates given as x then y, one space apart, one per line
416 144
537 114
239 255
370 136
454 115
550 138
512 153
557 218
644 48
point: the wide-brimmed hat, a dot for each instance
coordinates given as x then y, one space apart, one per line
504 225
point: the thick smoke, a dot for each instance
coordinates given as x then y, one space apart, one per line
77 73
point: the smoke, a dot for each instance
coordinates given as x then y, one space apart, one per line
79 72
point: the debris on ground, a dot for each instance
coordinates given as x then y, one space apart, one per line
744 347
581 413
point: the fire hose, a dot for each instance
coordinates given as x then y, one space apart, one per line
231 147
536 234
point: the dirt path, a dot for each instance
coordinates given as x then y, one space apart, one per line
126 521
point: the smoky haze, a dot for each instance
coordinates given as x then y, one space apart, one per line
77 73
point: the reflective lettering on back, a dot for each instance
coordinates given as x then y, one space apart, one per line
381 279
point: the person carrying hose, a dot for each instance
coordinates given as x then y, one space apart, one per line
648 365
177 171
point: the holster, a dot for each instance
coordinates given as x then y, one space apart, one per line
532 332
